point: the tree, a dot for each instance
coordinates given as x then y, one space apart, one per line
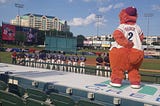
20 37
80 39
41 37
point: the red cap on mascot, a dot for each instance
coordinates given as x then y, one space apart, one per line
128 15
131 11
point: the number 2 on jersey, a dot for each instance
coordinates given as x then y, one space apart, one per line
130 35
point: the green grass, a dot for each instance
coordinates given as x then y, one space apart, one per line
151 64
5 57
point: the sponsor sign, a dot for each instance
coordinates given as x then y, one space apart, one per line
8 32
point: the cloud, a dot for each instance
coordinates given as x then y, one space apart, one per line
91 19
156 7
105 9
110 7
6 1
70 1
118 5
3 1
100 1
86 0
82 21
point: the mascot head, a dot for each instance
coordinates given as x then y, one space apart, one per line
128 15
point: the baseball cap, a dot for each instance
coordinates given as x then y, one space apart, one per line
132 11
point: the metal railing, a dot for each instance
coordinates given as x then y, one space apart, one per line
91 70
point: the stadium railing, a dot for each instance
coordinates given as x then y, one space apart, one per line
91 70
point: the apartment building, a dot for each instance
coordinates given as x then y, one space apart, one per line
41 22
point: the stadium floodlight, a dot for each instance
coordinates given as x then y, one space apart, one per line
19 6
147 15
98 17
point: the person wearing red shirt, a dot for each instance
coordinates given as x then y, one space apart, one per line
14 56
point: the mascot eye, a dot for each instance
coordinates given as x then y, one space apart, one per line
130 35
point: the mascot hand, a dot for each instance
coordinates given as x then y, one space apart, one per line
130 44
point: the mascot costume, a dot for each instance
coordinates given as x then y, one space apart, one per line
126 53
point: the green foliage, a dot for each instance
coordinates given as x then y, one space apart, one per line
41 37
20 36
58 33
80 39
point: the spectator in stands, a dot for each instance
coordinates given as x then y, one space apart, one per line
14 56
99 62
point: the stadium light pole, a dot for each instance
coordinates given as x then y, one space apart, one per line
147 15
98 17
19 17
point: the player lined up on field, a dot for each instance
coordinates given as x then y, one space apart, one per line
58 61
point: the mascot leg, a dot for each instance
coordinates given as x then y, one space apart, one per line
134 78
135 60
118 62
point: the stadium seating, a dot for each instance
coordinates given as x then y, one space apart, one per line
33 102
61 100
16 89
37 94
88 103
10 99
3 85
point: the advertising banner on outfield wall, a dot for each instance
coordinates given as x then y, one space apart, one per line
8 32
97 43
30 33
87 43
106 44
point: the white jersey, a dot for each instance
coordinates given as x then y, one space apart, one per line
132 33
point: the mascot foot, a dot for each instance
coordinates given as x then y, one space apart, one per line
135 85
115 84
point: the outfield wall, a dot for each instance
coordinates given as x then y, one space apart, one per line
61 44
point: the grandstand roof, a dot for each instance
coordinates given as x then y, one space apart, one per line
39 15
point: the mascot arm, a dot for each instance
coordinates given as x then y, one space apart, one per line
121 40
141 37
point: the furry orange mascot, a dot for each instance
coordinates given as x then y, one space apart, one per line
126 53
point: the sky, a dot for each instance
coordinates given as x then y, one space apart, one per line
82 15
